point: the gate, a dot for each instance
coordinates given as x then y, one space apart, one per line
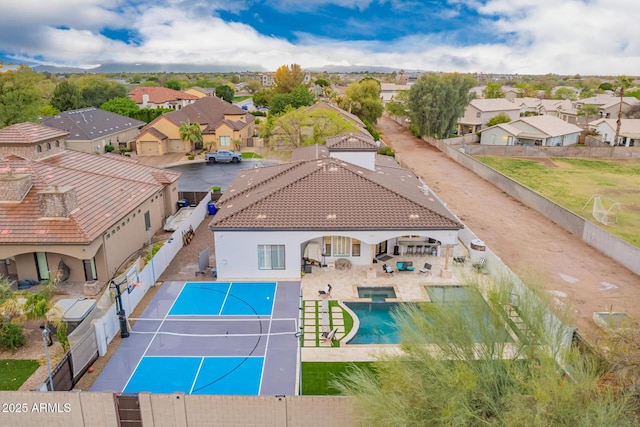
128 410
61 375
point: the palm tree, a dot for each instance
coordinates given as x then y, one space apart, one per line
191 133
621 82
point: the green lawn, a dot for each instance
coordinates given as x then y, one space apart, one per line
317 376
240 98
251 155
13 373
572 182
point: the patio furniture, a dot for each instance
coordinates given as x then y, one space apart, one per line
426 269
342 264
481 266
405 266
387 269
326 291
328 336
419 249
459 260
410 249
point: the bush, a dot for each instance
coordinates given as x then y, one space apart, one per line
386 151
215 188
109 148
11 336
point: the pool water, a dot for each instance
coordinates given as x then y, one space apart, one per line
378 326
376 293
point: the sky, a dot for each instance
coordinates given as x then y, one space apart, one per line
587 37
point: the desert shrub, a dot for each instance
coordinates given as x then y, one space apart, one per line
109 148
386 151
11 336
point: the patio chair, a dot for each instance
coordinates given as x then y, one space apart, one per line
328 336
459 260
480 266
387 269
426 269
326 291
405 266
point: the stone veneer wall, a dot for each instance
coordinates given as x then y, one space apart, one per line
13 187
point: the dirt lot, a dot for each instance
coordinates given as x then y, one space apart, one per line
530 244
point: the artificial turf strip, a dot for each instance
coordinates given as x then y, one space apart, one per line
13 373
317 376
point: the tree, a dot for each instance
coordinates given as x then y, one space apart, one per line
20 96
95 90
453 370
253 86
565 93
191 133
123 106
436 102
364 101
287 78
298 97
300 127
174 84
66 96
498 118
399 105
587 111
621 83
493 90
263 98
225 92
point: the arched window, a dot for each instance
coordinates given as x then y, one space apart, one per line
39 148
57 143
48 145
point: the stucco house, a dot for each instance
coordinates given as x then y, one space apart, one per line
223 125
480 111
608 105
161 97
389 90
201 92
534 130
90 129
629 131
350 203
89 212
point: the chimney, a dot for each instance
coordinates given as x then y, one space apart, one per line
14 187
57 202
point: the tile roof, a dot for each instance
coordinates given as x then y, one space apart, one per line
493 104
329 194
351 142
210 113
108 187
310 152
158 95
549 125
627 126
91 123
29 133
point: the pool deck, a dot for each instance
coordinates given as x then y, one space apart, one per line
408 286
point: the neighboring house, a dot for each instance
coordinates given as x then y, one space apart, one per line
201 92
608 105
223 125
328 198
551 107
266 79
629 131
89 212
90 129
535 130
511 93
389 90
161 97
480 111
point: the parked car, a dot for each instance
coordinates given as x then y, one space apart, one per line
223 156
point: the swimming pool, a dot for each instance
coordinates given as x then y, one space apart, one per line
378 326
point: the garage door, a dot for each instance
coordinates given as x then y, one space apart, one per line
149 148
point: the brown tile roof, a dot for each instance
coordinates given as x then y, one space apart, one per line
210 113
351 142
310 152
158 95
29 133
108 187
329 194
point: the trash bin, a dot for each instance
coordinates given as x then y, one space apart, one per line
183 203
212 208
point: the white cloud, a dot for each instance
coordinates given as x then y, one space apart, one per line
544 36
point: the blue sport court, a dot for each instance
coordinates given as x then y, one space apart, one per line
235 338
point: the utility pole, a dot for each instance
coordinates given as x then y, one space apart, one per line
619 121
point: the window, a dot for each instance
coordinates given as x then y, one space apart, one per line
38 148
355 247
48 145
271 257
340 246
478 115
57 144
225 141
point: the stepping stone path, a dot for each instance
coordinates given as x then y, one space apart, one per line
318 319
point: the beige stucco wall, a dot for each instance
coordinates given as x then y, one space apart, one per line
70 409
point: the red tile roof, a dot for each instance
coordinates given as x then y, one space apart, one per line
329 194
108 187
29 133
158 95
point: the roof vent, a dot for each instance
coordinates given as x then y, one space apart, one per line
331 216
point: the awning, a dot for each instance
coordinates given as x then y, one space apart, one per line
312 251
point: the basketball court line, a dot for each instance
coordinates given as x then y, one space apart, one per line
266 345
195 378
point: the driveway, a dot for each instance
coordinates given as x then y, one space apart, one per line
201 176
536 249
